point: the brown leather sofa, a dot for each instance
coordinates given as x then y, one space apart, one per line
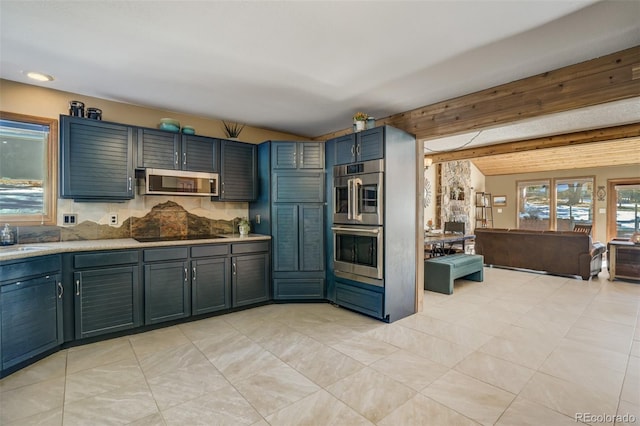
555 252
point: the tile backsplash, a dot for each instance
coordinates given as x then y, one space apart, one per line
141 217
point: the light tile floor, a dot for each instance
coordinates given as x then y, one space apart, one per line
518 349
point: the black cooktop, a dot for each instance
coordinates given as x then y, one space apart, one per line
176 238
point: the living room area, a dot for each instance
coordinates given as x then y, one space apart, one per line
538 207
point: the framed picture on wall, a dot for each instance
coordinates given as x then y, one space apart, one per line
499 200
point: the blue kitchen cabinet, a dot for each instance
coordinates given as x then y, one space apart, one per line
158 149
96 160
106 292
307 187
290 208
287 155
238 171
298 237
31 319
362 146
167 285
210 278
298 251
200 154
250 273
161 149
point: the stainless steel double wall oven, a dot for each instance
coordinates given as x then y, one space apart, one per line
358 221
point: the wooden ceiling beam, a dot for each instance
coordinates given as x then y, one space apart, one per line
568 139
606 79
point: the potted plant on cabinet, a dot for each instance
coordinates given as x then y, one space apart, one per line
359 121
232 129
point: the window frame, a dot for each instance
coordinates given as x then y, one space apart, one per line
611 203
553 199
50 186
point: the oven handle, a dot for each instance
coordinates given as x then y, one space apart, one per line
356 215
350 199
355 230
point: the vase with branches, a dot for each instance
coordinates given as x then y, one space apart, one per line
232 129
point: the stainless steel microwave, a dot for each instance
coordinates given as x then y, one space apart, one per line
178 182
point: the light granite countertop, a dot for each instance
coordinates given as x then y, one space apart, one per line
21 251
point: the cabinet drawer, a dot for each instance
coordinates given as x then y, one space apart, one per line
212 250
34 266
241 248
153 255
360 299
92 260
298 288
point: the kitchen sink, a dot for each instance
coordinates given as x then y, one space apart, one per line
18 249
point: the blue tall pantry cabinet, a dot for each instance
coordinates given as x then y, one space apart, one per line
290 208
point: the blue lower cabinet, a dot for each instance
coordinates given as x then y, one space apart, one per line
298 288
364 300
30 318
210 285
167 292
250 279
106 292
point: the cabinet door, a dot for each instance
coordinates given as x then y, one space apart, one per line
370 144
311 155
306 187
30 318
284 155
238 171
345 149
158 149
285 237
250 279
200 154
210 284
311 237
96 160
106 300
167 294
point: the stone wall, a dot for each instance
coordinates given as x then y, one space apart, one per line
457 195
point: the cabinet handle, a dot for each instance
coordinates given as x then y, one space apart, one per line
175 161
234 268
130 181
358 150
186 274
184 158
77 287
353 150
301 159
194 274
223 187
60 290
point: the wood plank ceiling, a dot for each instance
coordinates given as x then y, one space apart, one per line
598 81
618 152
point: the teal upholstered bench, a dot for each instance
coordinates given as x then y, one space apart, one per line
441 272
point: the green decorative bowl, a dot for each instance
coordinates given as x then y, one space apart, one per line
169 127
171 121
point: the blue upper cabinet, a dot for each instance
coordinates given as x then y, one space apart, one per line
238 171
200 154
96 160
361 146
160 149
297 155
345 149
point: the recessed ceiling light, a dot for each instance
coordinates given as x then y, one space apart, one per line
39 76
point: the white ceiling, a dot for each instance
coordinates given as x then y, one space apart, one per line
297 66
